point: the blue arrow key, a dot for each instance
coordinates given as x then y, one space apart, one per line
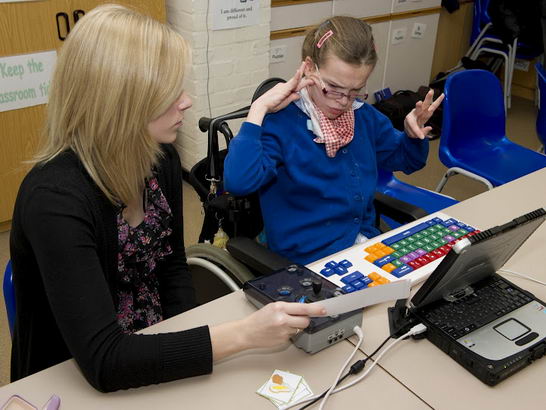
401 271
352 277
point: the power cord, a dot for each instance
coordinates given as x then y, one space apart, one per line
358 332
354 369
359 365
523 276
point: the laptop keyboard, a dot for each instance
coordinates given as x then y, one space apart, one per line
491 301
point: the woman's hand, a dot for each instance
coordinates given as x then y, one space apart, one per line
278 97
276 322
271 326
414 123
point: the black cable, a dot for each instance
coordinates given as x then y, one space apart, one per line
355 368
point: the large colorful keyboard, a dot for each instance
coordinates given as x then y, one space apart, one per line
410 252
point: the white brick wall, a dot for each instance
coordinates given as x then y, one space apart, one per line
238 60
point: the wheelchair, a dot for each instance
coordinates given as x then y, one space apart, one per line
217 271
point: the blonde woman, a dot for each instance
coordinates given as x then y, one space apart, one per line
97 239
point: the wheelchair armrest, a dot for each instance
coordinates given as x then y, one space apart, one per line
256 256
400 211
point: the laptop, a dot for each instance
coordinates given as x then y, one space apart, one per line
483 321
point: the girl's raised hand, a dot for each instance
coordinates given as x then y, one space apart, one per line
414 123
278 97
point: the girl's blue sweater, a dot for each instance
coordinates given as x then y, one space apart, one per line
313 205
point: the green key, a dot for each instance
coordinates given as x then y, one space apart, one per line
397 263
396 246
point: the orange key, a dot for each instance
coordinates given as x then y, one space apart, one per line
372 248
380 253
389 267
382 280
374 276
371 258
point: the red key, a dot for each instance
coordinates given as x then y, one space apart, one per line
430 256
422 261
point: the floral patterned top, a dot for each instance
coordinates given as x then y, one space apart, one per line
140 248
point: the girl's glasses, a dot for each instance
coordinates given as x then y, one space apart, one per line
336 95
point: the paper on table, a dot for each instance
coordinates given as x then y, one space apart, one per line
366 297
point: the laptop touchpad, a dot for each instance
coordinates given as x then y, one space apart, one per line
511 329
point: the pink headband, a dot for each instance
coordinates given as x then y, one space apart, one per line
325 37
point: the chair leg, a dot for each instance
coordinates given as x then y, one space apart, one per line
512 49
478 41
456 170
443 181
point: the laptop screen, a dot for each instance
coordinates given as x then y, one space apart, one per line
482 256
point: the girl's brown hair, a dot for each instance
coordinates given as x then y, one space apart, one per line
350 40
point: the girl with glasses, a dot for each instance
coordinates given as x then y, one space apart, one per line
312 146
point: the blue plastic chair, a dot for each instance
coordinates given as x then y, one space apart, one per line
473 140
9 296
429 201
541 116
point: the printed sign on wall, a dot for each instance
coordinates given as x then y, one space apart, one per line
25 79
234 13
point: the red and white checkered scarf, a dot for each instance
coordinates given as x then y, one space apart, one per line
335 133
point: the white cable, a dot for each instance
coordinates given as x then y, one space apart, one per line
415 330
375 362
523 276
358 332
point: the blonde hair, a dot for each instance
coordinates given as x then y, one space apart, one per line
117 71
350 40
